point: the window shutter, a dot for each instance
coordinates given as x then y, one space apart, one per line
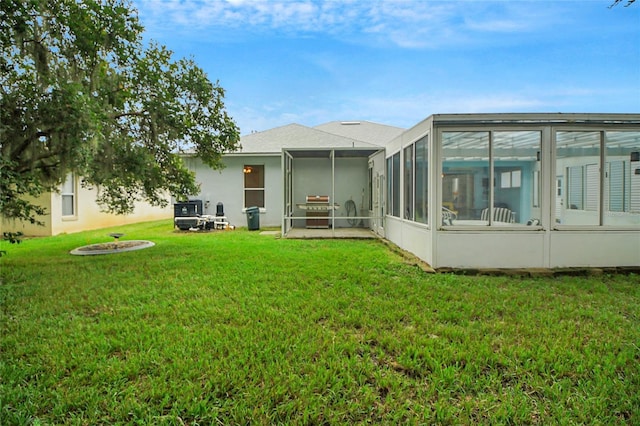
617 187
575 191
592 195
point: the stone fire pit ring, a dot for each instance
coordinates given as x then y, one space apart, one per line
112 247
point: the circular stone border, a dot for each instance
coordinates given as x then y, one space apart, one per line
109 248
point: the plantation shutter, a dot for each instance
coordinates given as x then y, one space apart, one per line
575 191
617 187
592 195
634 186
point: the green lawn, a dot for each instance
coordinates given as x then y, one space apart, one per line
241 328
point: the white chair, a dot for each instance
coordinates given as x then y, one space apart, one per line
448 216
500 214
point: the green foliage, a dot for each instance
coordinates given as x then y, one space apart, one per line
242 328
12 238
80 92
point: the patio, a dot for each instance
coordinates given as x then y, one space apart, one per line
311 233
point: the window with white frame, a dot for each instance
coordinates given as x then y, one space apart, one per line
421 179
515 155
578 157
465 177
393 185
68 194
370 186
408 182
253 185
487 177
396 185
599 189
415 181
389 185
622 178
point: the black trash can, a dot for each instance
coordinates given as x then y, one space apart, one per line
253 218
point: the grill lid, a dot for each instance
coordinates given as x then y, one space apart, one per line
317 198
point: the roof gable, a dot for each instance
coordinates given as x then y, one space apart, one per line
296 136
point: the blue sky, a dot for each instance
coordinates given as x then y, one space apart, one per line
397 62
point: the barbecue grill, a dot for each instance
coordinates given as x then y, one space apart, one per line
317 209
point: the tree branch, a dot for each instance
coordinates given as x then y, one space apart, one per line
27 142
130 114
617 2
37 163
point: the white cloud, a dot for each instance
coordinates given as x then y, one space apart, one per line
409 24
485 57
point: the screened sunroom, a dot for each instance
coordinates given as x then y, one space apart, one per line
326 189
516 190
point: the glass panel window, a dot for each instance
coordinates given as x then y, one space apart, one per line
396 185
421 192
253 185
465 178
491 178
408 182
536 189
389 185
68 193
578 158
622 179
515 161
370 185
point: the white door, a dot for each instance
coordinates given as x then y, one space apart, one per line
559 198
288 193
379 204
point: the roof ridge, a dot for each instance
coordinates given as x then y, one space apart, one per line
347 138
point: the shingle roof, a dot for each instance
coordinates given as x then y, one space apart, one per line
296 136
379 134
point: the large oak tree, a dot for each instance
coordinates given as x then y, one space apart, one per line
80 92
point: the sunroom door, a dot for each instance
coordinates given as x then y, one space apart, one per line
288 193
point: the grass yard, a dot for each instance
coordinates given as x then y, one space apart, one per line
241 328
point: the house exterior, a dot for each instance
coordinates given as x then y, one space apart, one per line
74 209
457 190
255 175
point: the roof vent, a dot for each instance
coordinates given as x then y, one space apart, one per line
350 123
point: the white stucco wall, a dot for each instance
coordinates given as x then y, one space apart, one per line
227 186
87 215
27 228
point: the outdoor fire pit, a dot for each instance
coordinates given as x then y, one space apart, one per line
116 246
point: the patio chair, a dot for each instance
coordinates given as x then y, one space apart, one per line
448 216
500 214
